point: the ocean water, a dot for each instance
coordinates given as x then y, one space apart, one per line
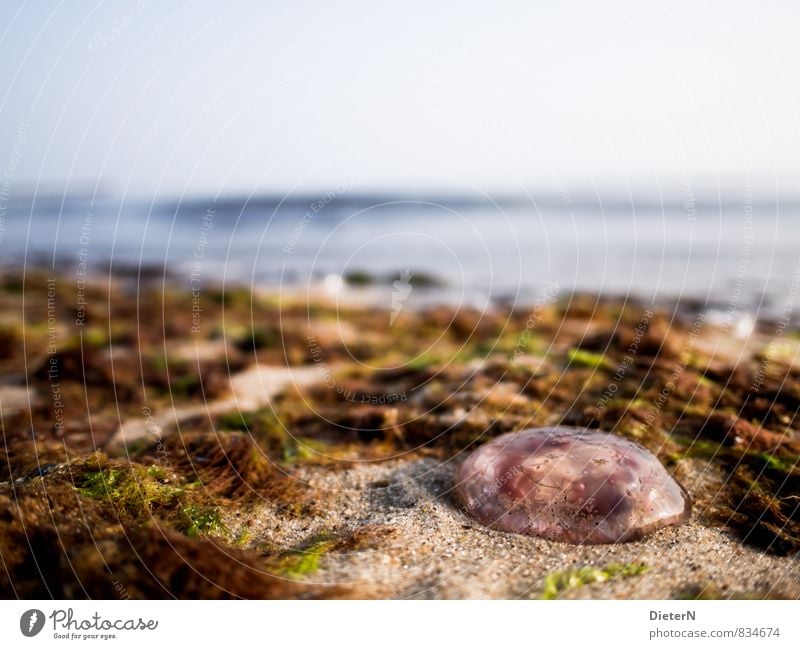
739 257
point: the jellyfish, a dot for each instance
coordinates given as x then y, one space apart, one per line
574 485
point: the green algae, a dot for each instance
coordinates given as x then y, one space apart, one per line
775 462
706 381
134 492
305 561
243 537
699 447
423 362
92 337
185 386
557 583
269 430
141 493
201 520
303 449
264 425
101 484
260 338
582 358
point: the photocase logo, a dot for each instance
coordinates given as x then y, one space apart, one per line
31 622
401 290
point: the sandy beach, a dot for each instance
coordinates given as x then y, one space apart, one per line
305 445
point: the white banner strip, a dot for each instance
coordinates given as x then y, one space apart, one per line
405 624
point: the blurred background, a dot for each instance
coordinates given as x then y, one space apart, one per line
492 150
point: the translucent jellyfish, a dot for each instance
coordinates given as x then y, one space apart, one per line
575 485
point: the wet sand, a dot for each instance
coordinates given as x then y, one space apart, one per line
423 546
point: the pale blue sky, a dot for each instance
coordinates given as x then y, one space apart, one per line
169 97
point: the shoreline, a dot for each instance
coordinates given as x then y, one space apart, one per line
363 289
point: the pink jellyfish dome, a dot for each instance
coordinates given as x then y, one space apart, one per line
574 485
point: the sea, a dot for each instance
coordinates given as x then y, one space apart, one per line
735 256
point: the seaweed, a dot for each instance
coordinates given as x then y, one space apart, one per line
557 583
137 493
465 377
583 358
203 520
304 561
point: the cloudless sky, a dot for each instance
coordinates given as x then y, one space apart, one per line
166 98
